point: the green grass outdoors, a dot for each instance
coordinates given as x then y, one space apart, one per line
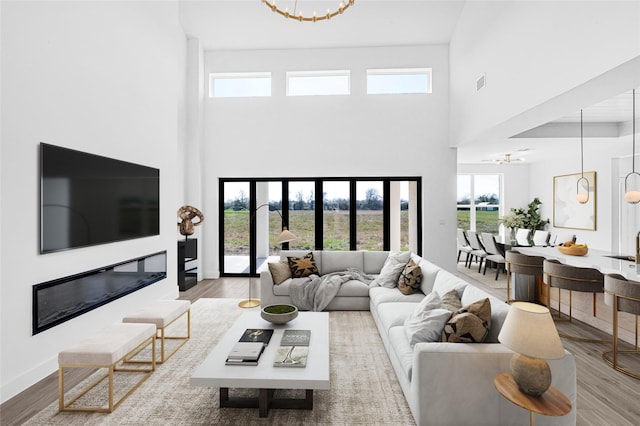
302 224
486 221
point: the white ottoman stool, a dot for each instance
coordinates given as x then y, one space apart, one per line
163 313
107 349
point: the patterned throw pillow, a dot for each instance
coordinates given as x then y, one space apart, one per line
280 271
410 278
470 324
302 266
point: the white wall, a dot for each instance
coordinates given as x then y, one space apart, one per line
533 52
100 77
356 135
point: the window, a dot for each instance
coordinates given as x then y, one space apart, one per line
398 81
324 214
314 83
240 85
479 202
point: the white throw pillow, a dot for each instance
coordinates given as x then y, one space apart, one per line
392 269
426 322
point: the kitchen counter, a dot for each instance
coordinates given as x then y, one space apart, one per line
582 302
596 259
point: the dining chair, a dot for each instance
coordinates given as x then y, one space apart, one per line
463 246
493 254
522 237
624 296
541 238
478 251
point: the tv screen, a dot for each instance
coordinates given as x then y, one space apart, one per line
87 199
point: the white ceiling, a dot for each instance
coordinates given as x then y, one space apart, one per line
251 25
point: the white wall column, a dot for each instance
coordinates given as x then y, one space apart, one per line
394 215
194 153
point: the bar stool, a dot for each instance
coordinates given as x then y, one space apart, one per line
572 278
624 296
519 263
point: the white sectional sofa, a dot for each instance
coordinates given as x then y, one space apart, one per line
443 383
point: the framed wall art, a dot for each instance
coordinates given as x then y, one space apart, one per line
567 211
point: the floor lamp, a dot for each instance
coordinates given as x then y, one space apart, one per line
284 237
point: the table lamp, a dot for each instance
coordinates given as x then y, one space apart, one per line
529 331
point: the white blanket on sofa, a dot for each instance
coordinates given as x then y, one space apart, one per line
315 293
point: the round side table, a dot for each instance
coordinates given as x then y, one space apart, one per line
551 403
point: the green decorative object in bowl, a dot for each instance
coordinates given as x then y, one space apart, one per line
279 314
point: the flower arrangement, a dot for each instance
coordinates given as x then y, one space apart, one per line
527 219
512 220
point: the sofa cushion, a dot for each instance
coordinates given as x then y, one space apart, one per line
302 266
339 261
410 278
394 314
282 289
470 324
399 344
374 261
391 270
280 271
426 322
499 310
353 288
429 273
379 295
445 282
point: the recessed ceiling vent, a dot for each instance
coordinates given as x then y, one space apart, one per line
481 82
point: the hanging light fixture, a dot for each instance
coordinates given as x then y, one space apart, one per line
632 196
582 197
301 16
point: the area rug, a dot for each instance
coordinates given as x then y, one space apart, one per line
489 279
364 389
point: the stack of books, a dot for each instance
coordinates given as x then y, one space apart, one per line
250 347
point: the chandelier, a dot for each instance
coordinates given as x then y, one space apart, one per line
298 15
507 159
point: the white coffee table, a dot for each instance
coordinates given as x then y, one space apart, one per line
214 373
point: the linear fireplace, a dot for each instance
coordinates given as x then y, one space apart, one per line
60 300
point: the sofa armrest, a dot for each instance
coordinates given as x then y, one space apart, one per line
453 382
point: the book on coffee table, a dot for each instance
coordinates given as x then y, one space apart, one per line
245 353
294 349
257 335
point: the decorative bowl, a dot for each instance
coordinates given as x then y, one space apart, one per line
279 314
573 251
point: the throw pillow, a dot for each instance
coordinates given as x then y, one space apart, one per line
470 324
302 266
410 278
391 269
426 322
280 271
451 301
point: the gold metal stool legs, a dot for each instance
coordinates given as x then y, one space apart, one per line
613 360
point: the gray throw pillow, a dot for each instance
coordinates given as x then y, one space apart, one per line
391 269
280 271
426 322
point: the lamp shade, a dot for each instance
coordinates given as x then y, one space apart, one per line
529 330
285 236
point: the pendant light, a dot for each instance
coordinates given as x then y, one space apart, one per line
582 197
632 196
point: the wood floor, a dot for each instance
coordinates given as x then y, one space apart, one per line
605 397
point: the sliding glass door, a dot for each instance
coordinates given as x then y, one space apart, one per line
323 213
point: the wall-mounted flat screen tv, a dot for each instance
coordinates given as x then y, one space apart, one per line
87 199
